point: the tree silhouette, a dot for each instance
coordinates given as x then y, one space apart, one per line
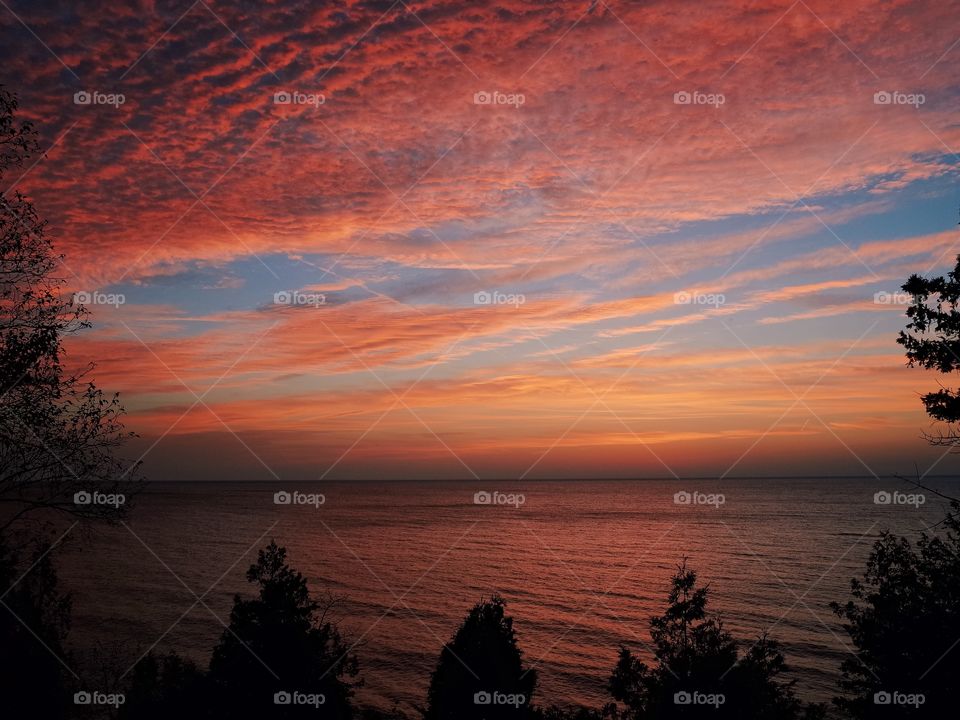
932 341
166 687
281 653
34 622
58 431
480 674
699 671
58 434
903 619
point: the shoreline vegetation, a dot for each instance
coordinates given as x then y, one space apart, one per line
282 654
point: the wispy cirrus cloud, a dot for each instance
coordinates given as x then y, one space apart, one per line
593 159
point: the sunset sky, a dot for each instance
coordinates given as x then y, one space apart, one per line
783 166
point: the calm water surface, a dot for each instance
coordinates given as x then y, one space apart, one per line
582 565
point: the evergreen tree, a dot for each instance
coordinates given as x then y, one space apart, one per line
480 674
281 656
904 620
699 671
35 677
932 341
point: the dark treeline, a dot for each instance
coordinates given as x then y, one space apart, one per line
282 654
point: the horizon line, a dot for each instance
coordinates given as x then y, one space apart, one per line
583 479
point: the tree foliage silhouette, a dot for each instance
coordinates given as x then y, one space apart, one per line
932 341
480 674
166 687
699 671
58 431
281 641
903 619
34 622
58 434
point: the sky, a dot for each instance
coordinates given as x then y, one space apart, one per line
359 240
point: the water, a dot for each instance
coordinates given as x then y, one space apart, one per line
582 565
